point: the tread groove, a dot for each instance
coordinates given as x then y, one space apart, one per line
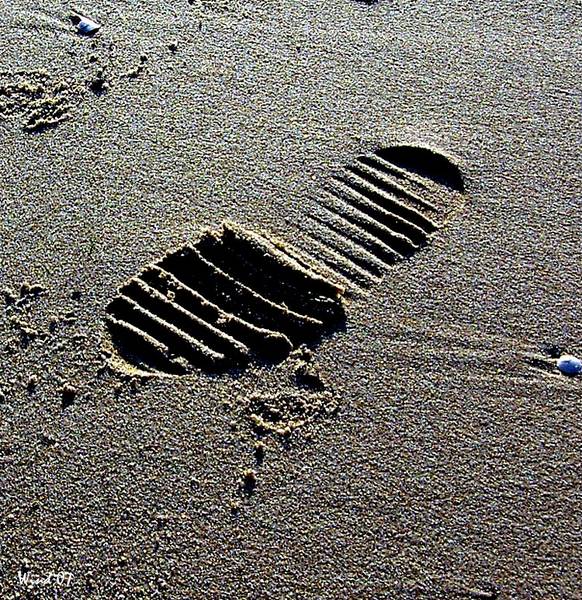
358 255
425 163
153 354
359 238
378 222
386 185
166 333
381 167
382 236
378 196
234 296
340 266
264 342
384 217
270 274
149 297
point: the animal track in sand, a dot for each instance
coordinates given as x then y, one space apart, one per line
236 296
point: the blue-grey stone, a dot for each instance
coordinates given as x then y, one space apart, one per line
569 365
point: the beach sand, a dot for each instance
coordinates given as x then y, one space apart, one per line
438 451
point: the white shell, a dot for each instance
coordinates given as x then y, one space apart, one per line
87 26
569 365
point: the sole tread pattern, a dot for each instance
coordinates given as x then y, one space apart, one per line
236 296
387 205
232 297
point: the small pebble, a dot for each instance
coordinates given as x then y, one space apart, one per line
46 439
569 365
85 25
31 384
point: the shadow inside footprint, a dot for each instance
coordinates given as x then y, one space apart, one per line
233 297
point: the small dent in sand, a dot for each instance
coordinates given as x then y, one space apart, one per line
48 440
99 85
285 412
139 68
68 395
38 100
260 450
307 374
248 481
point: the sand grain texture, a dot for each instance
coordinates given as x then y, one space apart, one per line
447 465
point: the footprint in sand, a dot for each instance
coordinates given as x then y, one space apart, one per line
237 296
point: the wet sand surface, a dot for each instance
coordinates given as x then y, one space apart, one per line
448 464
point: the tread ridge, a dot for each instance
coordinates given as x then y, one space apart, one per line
354 257
387 201
425 163
359 237
261 340
405 235
386 218
338 265
322 265
362 258
166 333
191 323
383 167
388 241
246 296
270 274
120 328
